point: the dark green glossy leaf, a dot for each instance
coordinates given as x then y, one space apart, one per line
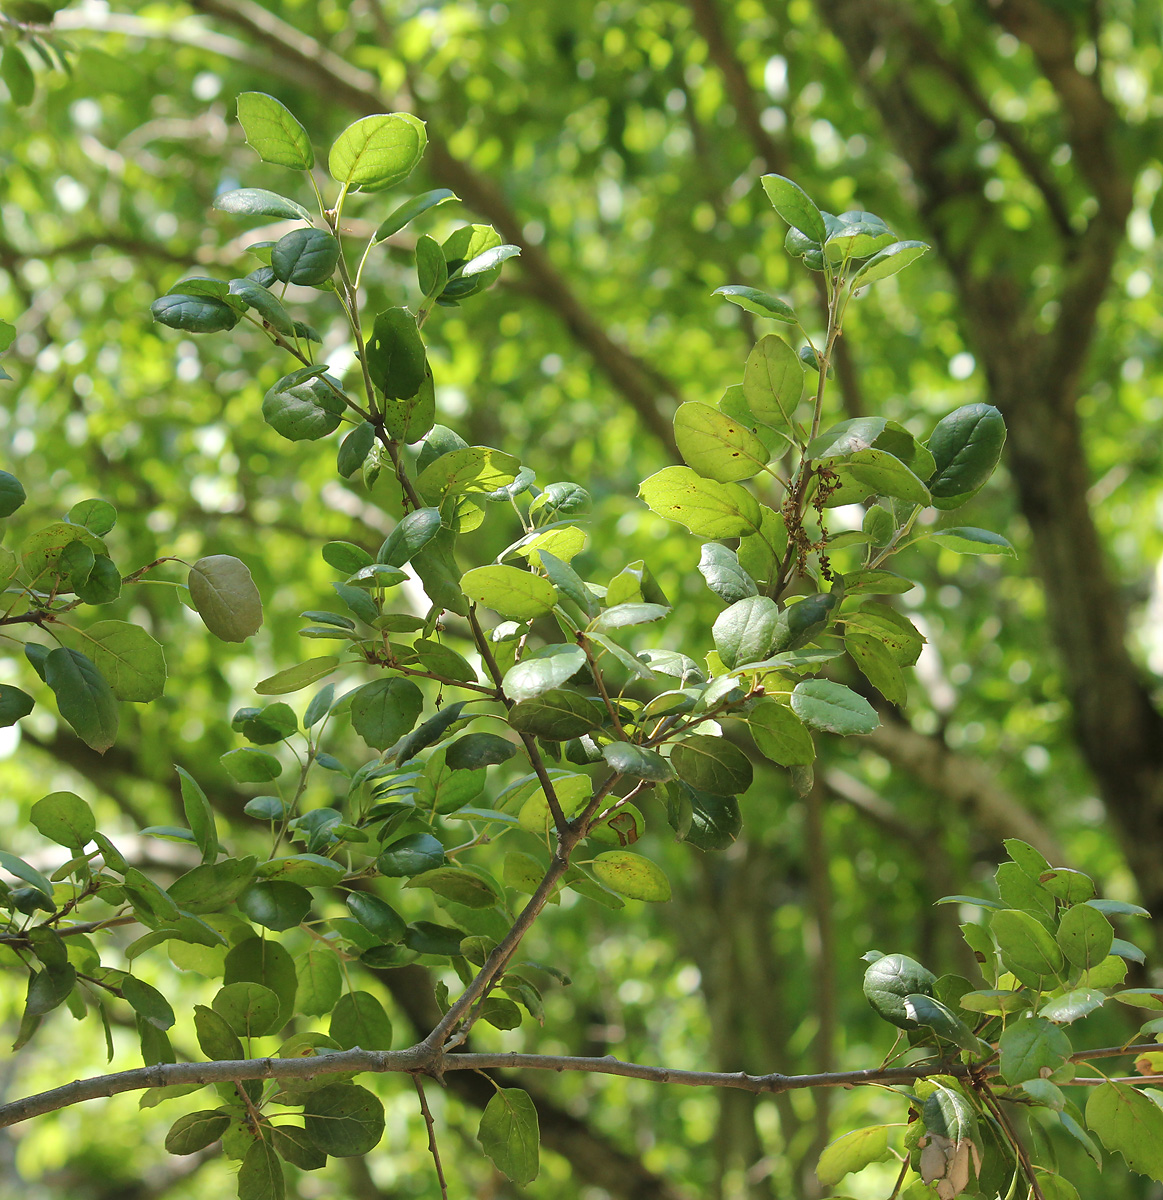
258 202
760 303
307 257
410 855
84 698
711 764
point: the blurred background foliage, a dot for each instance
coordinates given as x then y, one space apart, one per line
621 144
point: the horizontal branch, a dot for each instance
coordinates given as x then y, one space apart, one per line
424 1060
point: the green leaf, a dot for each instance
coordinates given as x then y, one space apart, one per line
873 472
760 303
725 577
873 658
632 875
385 710
1084 936
148 1002
261 1174
22 870
515 594
899 636
745 632
396 358
1072 887
17 75
442 660
225 597
84 698
344 1120
302 410
64 818
780 734
1025 943
889 979
773 382
487 260
410 855
275 904
476 750
792 203
1071 1006
295 678
856 234
12 494
97 516
354 449
377 916
1151 998
469 469
217 1039
705 821
377 152
822 704
131 661
411 535
704 506
711 764
966 540
1118 908
258 202
14 704
928 1011
411 209
715 445
431 269
852 1152
628 759
1127 1121
264 961
193 314
459 885
510 1136
307 257
195 1131
558 714
1029 1045
888 262
249 1008
545 669
273 132
876 583
949 1114
846 438
248 765
268 307
359 1020
966 447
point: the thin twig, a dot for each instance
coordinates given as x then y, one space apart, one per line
995 1106
432 1146
531 748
